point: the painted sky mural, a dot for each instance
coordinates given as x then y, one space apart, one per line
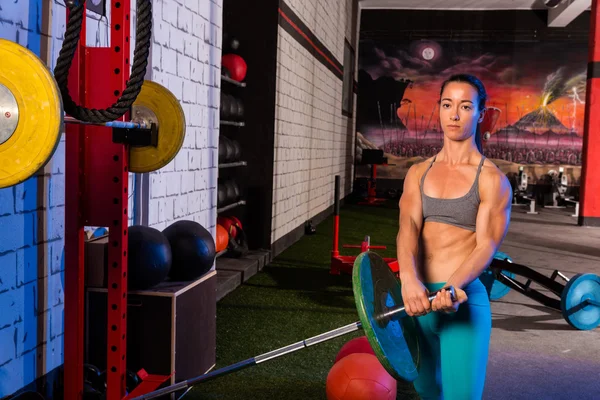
536 91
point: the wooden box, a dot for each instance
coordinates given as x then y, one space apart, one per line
171 327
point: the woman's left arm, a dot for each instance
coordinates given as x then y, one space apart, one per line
492 223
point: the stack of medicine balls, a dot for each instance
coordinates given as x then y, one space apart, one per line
183 251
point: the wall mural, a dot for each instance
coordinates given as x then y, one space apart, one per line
536 101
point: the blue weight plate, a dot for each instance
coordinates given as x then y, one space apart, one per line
499 289
394 341
576 311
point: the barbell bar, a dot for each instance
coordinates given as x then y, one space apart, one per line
111 124
386 286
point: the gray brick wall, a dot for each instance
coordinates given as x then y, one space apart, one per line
311 134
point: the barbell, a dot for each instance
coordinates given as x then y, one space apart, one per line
32 119
378 298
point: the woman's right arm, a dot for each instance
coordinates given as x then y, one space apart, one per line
414 293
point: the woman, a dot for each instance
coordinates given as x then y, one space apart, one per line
454 214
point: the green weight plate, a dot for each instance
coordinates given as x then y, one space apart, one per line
395 341
575 305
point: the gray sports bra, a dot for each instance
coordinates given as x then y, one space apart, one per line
460 212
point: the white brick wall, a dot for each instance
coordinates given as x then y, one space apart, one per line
326 19
186 59
32 222
311 134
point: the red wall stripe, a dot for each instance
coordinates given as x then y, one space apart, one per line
297 29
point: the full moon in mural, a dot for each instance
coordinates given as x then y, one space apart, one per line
428 53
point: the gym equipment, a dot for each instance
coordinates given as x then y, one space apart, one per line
229 150
33 119
159 106
233 190
222 239
97 166
193 249
149 257
91 376
520 192
309 228
226 149
240 109
132 380
30 114
238 245
237 150
345 264
356 345
234 108
578 300
221 196
236 66
360 376
231 225
375 158
560 185
376 293
111 124
228 192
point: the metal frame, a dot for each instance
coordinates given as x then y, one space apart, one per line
344 263
96 195
549 283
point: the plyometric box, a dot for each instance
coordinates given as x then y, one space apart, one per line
171 327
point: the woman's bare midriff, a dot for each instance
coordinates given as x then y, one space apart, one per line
443 249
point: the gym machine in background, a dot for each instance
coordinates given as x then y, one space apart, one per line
521 196
551 193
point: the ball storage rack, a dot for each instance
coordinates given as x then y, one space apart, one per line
96 164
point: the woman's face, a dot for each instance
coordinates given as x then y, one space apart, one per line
459 113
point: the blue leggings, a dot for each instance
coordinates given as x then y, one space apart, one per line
454 348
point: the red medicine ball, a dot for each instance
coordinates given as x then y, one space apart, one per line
235 65
357 345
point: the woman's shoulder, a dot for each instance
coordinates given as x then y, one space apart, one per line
419 166
489 167
492 177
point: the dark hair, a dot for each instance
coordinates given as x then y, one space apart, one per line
481 95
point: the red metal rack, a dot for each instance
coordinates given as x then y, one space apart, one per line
96 195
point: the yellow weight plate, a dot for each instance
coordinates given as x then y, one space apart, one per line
31 114
157 104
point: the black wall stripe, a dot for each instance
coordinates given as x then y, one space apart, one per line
593 70
293 25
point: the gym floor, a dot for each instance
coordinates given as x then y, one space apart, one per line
534 353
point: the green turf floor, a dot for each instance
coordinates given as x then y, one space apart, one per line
290 300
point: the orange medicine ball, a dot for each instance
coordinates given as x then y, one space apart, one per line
222 238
